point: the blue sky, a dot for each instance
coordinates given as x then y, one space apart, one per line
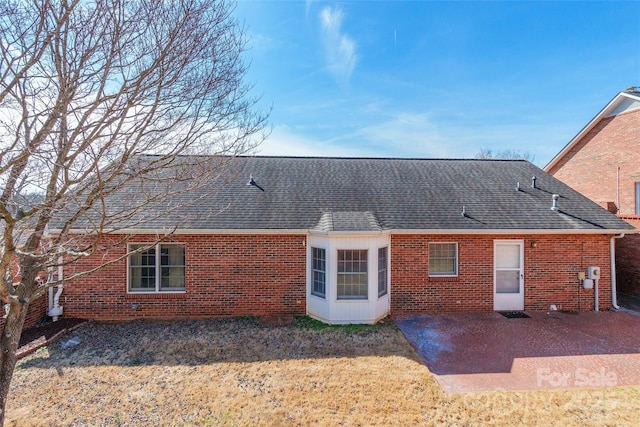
436 79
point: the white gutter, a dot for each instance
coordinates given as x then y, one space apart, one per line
439 231
614 284
514 231
162 232
348 233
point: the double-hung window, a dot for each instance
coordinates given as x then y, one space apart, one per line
319 271
443 259
382 271
159 268
352 274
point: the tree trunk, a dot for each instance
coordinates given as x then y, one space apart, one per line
9 341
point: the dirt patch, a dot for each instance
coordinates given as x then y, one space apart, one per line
278 320
244 372
33 338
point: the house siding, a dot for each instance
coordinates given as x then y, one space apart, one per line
38 307
628 260
37 311
591 167
226 275
234 275
550 273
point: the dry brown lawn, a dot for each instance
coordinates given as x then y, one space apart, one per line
243 373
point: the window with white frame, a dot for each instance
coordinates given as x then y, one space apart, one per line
319 271
382 271
443 259
160 268
352 274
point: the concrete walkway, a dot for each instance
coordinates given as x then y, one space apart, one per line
486 351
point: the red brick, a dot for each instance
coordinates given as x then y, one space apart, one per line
605 166
550 271
226 275
231 275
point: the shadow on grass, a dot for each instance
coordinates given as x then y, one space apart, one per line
237 340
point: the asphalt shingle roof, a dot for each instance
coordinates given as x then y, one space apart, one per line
364 194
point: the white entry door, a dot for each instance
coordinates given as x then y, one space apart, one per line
508 275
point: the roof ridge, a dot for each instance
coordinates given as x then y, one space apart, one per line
434 159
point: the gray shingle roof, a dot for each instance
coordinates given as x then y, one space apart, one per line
348 221
364 194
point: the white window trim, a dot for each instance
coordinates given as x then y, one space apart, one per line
343 311
323 297
367 275
157 266
386 270
457 264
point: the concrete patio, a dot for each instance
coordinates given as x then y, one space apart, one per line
550 350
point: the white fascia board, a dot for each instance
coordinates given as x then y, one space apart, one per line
514 231
602 114
348 233
188 231
359 233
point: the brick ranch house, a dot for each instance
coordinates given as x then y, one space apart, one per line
603 162
352 240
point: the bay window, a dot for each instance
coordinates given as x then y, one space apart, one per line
319 269
352 274
382 271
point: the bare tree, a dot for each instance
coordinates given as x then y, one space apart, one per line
86 87
509 154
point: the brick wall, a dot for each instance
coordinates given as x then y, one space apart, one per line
37 311
37 308
591 166
551 273
226 275
628 260
231 275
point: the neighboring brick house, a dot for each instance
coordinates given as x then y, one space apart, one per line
355 240
603 163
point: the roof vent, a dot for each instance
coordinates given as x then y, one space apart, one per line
518 187
253 182
464 211
533 181
554 202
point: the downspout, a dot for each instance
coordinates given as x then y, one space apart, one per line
55 310
618 189
614 285
50 299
